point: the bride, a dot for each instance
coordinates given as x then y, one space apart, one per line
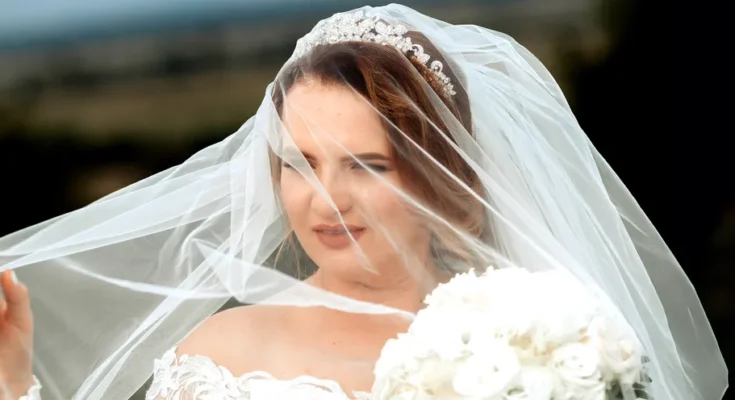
391 152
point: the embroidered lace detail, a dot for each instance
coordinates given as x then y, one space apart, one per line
199 378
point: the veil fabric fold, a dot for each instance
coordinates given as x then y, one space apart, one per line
505 177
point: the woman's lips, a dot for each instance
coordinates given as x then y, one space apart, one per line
338 236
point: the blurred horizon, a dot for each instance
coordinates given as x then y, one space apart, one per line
126 80
57 22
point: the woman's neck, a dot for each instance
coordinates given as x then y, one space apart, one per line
400 289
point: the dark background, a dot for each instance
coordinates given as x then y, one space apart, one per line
88 108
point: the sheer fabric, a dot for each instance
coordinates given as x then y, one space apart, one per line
197 377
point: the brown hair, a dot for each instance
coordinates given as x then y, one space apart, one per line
388 79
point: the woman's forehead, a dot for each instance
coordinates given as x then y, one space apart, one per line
332 119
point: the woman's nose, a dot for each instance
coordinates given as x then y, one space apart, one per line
335 198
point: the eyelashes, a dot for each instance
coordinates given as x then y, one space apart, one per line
295 165
378 168
373 167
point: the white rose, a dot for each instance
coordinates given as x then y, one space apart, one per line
446 332
621 356
531 383
435 378
462 291
406 367
396 353
390 388
511 304
404 392
487 372
577 367
566 310
630 363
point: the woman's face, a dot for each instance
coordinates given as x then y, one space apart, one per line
331 126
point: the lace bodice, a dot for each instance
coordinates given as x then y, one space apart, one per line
199 378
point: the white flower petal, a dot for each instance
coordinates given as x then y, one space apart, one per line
488 372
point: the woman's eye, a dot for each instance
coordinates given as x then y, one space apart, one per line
372 167
296 164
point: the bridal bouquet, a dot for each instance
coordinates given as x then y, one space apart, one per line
512 334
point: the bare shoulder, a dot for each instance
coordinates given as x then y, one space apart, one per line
236 338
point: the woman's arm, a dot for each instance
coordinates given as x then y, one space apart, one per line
16 340
214 338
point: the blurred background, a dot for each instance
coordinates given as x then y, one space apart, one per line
97 95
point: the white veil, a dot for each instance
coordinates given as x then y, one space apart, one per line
506 177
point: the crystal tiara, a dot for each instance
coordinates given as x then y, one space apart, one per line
359 26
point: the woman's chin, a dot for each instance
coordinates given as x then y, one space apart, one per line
345 263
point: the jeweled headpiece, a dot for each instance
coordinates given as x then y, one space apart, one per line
359 26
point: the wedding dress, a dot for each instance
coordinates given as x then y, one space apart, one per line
197 377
